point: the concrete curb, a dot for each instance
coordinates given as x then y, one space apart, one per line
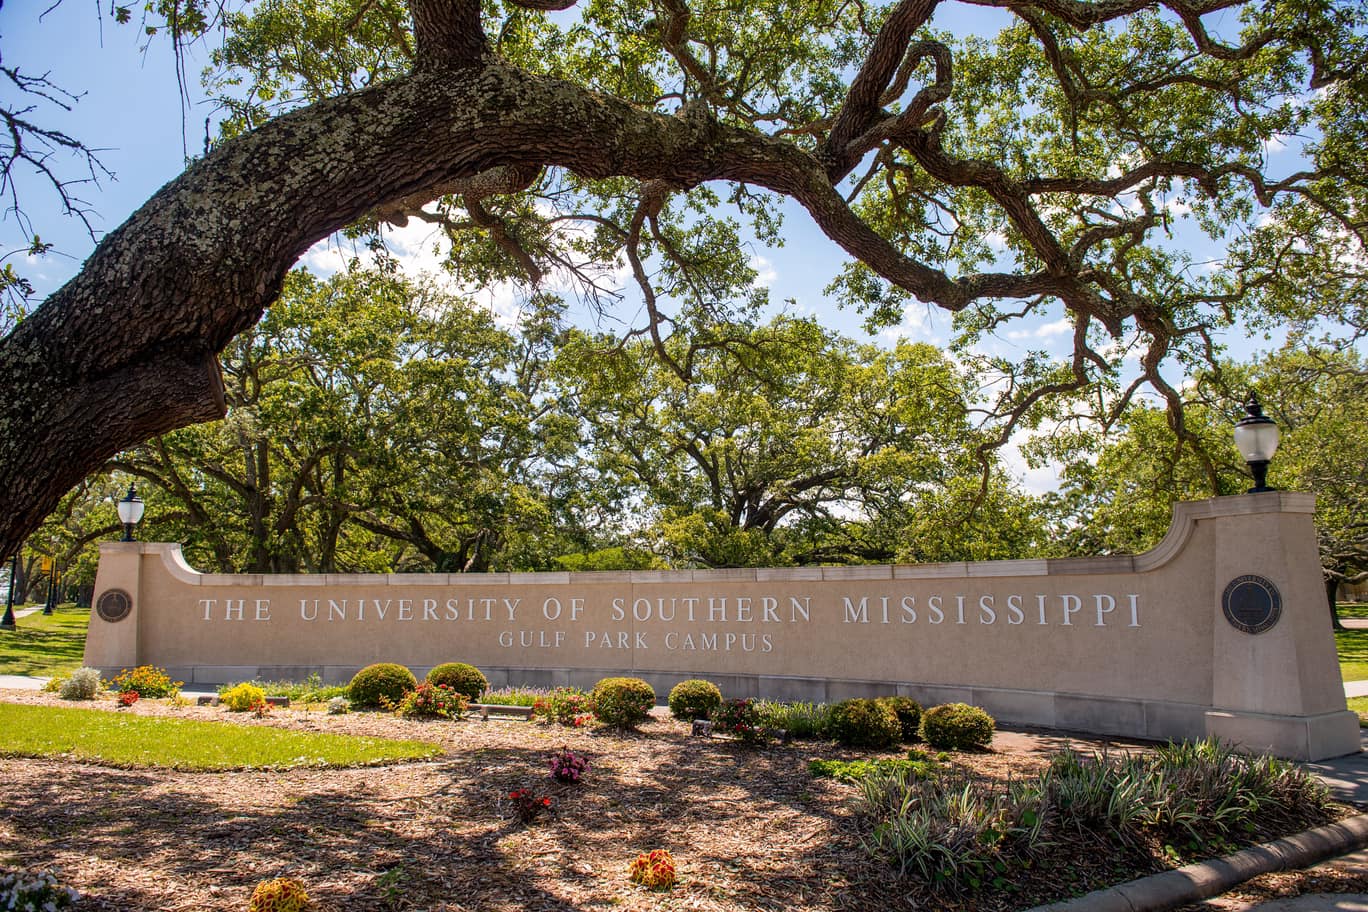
1195 882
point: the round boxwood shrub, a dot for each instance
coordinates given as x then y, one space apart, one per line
864 723
957 726
622 702
694 699
909 713
460 677
381 683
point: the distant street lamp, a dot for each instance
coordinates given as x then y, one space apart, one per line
130 511
8 622
1257 438
52 586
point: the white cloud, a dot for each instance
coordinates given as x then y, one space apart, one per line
918 325
420 248
327 257
765 273
1061 327
1040 480
1131 350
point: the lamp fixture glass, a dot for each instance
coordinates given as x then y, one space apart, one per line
1256 437
130 511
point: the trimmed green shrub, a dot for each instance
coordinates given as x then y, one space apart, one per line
694 699
622 702
957 726
864 723
381 683
460 677
83 684
909 713
243 697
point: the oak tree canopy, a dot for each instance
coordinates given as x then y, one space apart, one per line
1044 169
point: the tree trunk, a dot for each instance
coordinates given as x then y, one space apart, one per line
1331 590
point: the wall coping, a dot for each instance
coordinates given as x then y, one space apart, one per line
1186 516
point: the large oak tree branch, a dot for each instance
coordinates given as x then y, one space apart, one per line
127 349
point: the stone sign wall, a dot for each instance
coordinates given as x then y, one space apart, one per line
1179 642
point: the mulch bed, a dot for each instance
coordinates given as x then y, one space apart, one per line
749 829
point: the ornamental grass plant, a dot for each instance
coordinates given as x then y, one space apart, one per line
802 721
958 833
310 690
83 684
514 696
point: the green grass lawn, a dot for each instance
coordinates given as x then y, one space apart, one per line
1353 654
45 645
126 739
1353 610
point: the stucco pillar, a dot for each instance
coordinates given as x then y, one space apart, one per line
112 638
1275 678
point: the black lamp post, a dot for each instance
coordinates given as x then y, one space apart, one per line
1257 438
52 586
130 511
8 622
